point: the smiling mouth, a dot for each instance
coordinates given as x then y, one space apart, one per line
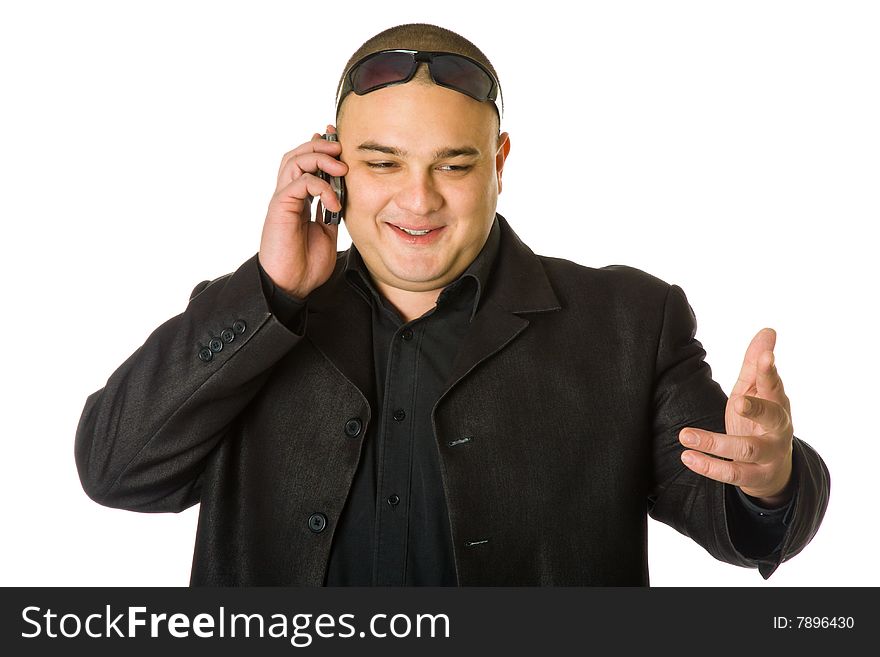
413 232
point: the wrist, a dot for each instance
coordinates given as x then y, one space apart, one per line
776 500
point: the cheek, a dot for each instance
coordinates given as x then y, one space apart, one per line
483 192
365 191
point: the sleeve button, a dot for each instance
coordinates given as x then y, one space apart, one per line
206 354
239 326
216 344
227 334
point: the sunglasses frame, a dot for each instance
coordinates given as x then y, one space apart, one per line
420 57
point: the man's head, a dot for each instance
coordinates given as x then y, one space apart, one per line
420 156
420 36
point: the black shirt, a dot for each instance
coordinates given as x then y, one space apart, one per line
394 529
396 520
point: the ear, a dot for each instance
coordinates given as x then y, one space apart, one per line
501 156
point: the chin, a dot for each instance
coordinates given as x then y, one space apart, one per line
415 274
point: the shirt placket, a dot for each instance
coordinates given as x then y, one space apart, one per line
395 468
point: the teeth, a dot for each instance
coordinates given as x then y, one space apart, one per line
414 232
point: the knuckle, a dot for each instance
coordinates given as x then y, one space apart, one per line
760 406
708 442
694 460
702 464
748 451
781 418
288 156
732 474
294 170
323 162
314 184
300 187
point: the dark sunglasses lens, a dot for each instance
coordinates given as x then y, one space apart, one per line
381 70
461 74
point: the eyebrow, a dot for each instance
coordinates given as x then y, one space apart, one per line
441 154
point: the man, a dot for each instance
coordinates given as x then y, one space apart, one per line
437 405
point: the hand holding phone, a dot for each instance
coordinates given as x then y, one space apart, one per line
297 253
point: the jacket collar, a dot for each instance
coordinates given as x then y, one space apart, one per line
340 323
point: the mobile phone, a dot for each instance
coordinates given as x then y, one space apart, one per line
337 184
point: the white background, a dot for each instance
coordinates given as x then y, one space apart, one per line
731 148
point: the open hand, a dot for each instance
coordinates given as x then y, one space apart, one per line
756 449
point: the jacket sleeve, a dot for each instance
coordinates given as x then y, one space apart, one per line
686 395
142 440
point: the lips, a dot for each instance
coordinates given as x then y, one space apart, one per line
416 228
418 237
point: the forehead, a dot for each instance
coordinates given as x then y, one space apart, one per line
417 110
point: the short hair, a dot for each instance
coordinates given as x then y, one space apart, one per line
418 36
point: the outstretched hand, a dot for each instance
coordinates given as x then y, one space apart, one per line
758 439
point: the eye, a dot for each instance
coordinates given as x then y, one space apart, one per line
455 167
380 165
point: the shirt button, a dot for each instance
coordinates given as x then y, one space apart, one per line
317 522
353 427
399 414
407 334
206 354
239 326
393 500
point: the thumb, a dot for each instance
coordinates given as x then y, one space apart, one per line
747 382
769 383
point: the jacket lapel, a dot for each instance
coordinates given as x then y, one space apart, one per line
516 285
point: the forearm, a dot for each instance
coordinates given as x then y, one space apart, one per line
700 507
142 439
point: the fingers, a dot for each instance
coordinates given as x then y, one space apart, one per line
310 163
745 449
745 475
746 383
728 472
746 461
315 145
297 194
770 415
305 157
765 479
769 383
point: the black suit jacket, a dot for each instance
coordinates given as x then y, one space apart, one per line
557 432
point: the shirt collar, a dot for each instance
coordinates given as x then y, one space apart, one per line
478 271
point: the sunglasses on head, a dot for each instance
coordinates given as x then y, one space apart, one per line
389 67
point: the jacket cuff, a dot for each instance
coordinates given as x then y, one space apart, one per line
755 531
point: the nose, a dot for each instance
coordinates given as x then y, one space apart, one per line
419 196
